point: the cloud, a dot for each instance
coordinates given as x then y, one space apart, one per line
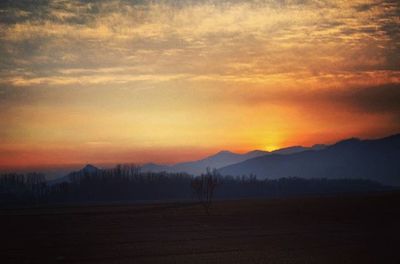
382 99
195 69
282 35
100 79
282 46
376 99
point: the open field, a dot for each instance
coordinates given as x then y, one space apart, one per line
348 229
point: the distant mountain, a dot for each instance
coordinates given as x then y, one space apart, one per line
289 150
216 161
219 160
153 167
297 149
377 160
88 169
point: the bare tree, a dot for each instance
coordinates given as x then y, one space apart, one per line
204 187
36 182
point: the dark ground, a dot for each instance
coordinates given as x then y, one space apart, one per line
348 229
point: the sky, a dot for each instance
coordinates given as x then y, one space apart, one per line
168 81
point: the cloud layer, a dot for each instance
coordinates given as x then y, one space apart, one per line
178 70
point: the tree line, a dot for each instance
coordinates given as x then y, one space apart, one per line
129 183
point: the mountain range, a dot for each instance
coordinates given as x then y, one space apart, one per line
377 160
221 159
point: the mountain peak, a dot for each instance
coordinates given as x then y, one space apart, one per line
257 151
289 150
224 152
372 159
348 142
222 155
318 146
89 168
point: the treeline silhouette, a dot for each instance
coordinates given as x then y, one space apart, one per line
128 183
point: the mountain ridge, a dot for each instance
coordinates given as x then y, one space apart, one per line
218 160
374 159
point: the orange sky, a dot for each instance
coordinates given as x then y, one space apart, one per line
168 81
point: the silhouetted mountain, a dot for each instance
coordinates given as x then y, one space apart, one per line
318 146
153 167
88 169
289 150
352 158
219 160
297 149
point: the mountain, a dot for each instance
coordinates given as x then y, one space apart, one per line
290 150
219 160
297 149
88 169
216 161
352 158
153 167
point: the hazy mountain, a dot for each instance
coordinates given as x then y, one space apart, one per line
297 149
352 158
289 150
219 160
154 167
88 169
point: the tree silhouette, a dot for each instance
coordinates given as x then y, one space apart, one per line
128 182
204 187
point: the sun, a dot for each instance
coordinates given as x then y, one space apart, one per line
270 148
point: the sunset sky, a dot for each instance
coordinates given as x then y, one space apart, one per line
167 81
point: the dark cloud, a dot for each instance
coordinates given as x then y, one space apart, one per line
374 99
380 99
377 99
366 7
13 12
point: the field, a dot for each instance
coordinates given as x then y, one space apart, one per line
344 229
